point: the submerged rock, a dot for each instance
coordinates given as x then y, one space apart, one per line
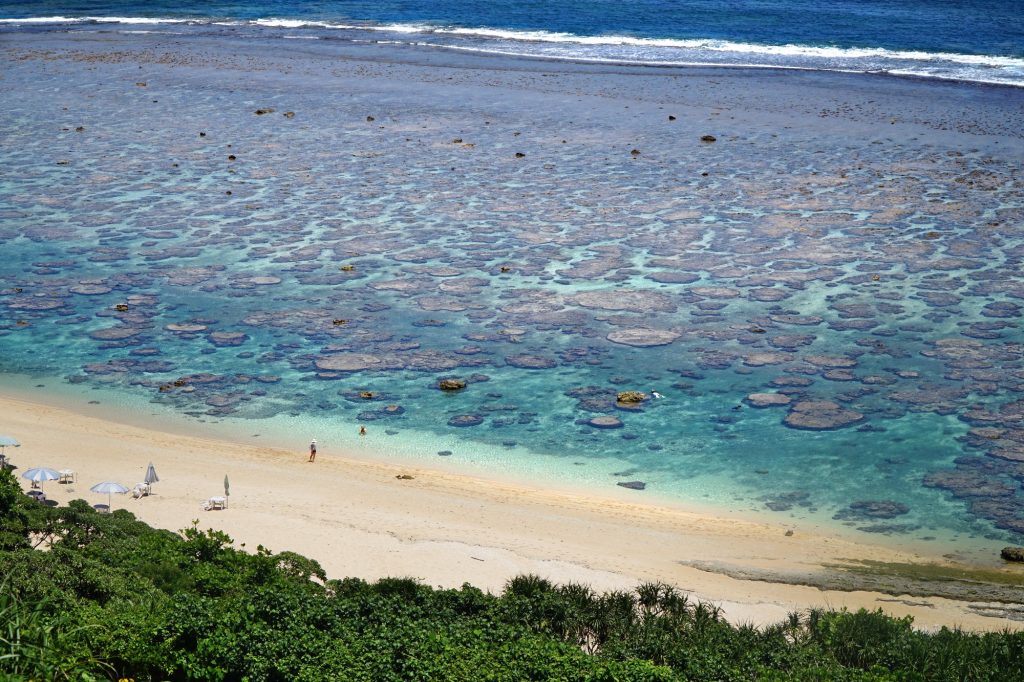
968 484
873 509
629 300
820 415
185 327
767 399
632 485
527 361
786 500
605 422
347 362
114 333
225 338
464 420
642 338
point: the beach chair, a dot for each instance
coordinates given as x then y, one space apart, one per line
102 508
215 503
37 495
141 490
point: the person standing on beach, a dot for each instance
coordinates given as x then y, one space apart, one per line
312 451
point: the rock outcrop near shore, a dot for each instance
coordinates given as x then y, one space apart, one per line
1014 554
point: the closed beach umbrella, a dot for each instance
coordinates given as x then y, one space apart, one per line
109 487
151 476
40 475
226 487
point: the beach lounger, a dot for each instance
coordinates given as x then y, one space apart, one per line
141 490
66 476
37 495
215 503
102 508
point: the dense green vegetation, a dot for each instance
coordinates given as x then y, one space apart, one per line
112 598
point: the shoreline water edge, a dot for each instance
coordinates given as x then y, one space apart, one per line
869 363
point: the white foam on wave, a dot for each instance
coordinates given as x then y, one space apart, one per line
288 23
714 45
95 20
389 28
990 69
705 44
43 20
719 64
622 49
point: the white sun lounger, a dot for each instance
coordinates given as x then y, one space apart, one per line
215 503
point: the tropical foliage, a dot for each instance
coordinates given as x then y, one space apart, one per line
90 596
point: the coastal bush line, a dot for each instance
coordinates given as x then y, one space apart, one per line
90 596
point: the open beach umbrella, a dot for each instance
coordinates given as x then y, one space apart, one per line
4 442
151 476
109 487
40 475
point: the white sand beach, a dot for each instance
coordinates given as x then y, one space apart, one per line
357 518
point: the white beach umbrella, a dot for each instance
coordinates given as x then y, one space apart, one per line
109 487
4 442
40 475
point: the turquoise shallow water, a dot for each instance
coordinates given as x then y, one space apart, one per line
164 239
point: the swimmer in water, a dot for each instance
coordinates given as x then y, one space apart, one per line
656 394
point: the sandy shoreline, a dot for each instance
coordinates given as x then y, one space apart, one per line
357 519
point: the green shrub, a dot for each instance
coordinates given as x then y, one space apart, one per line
113 598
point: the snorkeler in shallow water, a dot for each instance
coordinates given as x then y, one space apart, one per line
656 394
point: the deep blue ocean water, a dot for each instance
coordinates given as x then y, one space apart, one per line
862 281
978 40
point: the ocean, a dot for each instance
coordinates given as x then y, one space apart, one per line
973 40
292 221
